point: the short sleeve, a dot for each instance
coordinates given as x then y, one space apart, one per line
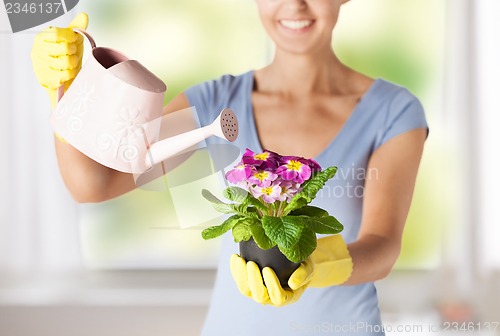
201 96
405 113
210 97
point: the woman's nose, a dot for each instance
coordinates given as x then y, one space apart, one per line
297 3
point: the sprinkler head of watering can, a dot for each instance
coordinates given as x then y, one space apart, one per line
225 126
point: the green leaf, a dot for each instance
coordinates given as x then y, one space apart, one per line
244 210
310 211
310 190
241 232
252 201
247 208
305 246
224 208
210 197
260 237
236 194
252 213
216 231
284 231
239 209
325 225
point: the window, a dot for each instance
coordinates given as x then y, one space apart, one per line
403 42
186 43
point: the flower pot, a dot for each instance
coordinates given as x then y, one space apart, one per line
272 257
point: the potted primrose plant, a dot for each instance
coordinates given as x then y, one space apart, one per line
270 216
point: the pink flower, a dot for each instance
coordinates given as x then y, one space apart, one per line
262 178
288 190
239 174
269 194
294 169
265 160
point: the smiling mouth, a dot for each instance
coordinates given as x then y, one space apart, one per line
296 24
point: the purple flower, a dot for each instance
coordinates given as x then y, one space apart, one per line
262 178
268 194
265 160
294 169
315 167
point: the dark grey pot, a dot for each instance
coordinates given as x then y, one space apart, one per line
272 257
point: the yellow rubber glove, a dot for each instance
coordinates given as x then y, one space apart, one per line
331 261
264 288
57 56
329 265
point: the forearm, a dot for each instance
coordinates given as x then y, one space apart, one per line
386 204
373 258
87 180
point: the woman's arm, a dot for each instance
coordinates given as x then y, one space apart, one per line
391 175
89 181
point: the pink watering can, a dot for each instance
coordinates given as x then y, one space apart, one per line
112 113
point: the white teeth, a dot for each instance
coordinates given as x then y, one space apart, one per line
296 24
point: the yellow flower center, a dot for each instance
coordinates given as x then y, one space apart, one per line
261 156
261 176
294 165
268 191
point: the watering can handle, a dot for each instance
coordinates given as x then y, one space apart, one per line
60 90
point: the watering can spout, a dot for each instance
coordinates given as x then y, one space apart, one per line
225 127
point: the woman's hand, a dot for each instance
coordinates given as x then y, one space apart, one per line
57 56
265 288
329 265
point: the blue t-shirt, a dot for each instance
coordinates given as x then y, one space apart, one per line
385 111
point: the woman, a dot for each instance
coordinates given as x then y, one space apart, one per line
306 103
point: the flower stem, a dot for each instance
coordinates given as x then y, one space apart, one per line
279 211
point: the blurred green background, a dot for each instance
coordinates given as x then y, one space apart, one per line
186 42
